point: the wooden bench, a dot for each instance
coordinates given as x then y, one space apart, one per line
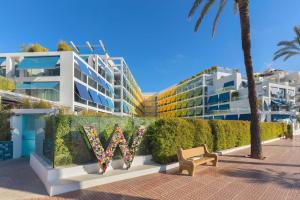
190 158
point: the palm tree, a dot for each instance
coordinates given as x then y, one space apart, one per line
289 48
241 6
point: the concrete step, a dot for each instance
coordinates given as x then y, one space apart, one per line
94 179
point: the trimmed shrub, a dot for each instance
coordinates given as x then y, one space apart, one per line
270 130
7 84
167 135
229 134
42 105
203 133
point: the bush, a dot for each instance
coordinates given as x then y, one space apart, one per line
33 48
167 135
7 84
63 46
203 133
42 105
26 104
229 134
5 134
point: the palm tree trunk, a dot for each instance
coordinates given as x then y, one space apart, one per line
256 150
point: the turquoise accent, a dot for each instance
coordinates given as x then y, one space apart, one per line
6 150
224 107
39 62
229 84
37 85
221 117
213 99
28 134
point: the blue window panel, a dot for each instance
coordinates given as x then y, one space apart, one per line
39 62
212 108
232 117
213 99
95 97
2 59
210 117
224 97
84 69
219 117
102 82
109 88
110 103
83 92
245 117
125 108
37 85
224 107
229 84
103 100
276 118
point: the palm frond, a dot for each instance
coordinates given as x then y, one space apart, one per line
285 53
285 43
194 8
286 49
290 55
204 11
216 20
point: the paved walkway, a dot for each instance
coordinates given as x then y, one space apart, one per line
18 180
236 177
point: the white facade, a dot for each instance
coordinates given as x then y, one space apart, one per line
58 83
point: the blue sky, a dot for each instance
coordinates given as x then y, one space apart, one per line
155 37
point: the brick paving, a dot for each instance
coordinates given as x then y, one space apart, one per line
18 180
236 177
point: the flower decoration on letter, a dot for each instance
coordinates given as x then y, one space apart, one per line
105 156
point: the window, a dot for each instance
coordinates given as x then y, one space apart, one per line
41 72
229 84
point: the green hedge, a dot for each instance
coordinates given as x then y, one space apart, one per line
162 137
167 134
5 134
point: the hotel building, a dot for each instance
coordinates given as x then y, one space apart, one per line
222 93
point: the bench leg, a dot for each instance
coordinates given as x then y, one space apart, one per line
192 171
180 170
215 162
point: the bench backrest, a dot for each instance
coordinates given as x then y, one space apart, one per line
188 153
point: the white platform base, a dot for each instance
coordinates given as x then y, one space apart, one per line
62 180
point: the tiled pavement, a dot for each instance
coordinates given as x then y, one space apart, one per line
236 177
18 180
